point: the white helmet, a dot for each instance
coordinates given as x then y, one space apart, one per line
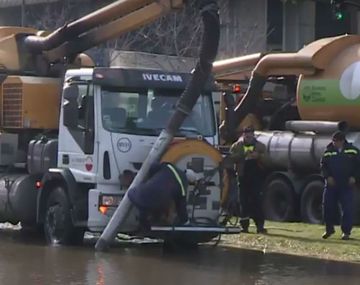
192 176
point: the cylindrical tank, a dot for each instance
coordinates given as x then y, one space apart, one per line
18 198
299 152
319 127
334 93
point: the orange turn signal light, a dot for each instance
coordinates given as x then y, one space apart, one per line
103 209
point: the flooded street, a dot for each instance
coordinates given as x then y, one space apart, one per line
26 260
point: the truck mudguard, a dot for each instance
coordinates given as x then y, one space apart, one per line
55 177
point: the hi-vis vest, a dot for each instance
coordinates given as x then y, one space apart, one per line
346 151
248 148
178 178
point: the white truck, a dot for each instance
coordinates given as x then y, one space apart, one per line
70 145
73 182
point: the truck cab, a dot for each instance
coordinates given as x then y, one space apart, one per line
67 157
109 120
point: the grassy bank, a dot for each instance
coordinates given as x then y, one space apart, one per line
299 239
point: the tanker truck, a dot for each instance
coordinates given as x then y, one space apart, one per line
321 94
74 135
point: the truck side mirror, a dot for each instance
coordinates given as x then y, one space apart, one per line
71 112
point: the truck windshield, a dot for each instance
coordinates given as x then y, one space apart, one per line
147 111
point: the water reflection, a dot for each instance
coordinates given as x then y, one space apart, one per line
26 260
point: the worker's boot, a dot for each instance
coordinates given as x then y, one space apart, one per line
327 234
262 231
345 236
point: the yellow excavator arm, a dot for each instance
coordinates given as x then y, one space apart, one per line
32 51
107 23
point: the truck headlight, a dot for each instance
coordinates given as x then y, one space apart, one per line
109 200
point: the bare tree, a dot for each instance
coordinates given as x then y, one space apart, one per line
243 27
51 16
176 34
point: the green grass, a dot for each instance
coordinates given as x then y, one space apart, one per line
299 239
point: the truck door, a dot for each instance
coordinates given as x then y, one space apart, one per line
77 148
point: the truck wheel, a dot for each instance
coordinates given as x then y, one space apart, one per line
279 201
311 202
58 226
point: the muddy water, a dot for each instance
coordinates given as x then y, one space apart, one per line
26 260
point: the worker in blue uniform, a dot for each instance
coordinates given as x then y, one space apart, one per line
340 166
165 187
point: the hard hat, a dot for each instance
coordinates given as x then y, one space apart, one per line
192 176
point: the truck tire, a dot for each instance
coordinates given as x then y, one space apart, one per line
311 202
58 226
279 200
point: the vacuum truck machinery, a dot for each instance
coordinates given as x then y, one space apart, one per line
321 94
